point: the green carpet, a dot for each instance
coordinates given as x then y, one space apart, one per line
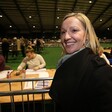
50 54
106 45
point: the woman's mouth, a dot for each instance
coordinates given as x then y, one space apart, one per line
69 43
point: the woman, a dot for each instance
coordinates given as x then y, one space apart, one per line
32 60
83 80
2 62
3 65
102 55
5 48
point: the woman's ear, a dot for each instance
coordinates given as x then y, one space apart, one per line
86 41
86 44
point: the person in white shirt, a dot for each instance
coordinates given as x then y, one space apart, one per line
32 60
102 55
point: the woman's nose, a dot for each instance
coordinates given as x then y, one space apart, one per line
67 36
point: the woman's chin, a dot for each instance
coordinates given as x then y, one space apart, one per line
70 51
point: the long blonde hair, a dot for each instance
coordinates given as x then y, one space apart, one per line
90 32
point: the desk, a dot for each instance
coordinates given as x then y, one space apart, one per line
17 86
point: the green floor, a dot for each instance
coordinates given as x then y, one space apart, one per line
106 45
50 54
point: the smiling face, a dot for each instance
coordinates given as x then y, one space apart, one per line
72 35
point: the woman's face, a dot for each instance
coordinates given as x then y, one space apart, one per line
30 55
72 35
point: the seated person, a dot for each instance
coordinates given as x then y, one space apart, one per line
102 55
32 60
111 52
107 55
2 64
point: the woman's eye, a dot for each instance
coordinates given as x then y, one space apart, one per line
74 30
62 32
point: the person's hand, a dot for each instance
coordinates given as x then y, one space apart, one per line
17 72
36 68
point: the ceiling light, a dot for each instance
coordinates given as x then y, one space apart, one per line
1 16
33 26
108 28
90 1
57 17
58 9
10 26
56 26
101 20
30 16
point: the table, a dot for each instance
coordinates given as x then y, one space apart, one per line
17 86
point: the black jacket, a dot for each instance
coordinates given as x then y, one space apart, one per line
83 83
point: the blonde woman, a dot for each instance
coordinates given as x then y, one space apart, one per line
83 80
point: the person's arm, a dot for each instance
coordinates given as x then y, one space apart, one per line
2 59
2 63
22 64
103 56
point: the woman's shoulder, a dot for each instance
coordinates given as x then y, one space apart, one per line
100 66
97 61
101 71
38 55
25 59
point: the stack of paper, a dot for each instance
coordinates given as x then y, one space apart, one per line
41 84
38 84
28 85
31 71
